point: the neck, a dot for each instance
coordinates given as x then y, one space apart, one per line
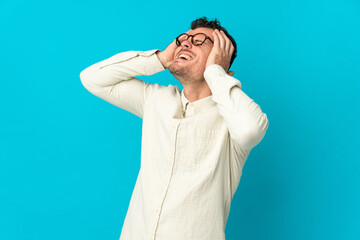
196 91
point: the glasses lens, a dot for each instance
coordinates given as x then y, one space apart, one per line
199 38
181 38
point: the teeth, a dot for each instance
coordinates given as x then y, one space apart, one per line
185 56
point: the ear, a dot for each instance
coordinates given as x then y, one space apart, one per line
231 73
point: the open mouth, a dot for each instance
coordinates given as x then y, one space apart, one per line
185 57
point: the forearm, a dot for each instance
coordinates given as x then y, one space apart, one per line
120 67
113 79
246 122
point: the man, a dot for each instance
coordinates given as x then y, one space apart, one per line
194 142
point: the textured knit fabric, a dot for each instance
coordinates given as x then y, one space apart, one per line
192 153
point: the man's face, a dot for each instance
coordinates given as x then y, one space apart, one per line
193 67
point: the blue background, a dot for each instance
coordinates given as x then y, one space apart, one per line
69 160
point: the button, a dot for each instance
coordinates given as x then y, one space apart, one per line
191 105
164 183
151 237
171 156
174 127
157 210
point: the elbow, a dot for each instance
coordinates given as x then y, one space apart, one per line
83 78
257 132
263 124
254 133
86 81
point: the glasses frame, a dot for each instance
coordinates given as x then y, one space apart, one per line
178 43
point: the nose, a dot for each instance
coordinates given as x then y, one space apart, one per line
186 43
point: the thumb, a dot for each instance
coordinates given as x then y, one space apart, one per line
231 73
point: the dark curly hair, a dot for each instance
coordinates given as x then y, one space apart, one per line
215 24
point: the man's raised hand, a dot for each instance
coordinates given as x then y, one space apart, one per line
166 57
221 52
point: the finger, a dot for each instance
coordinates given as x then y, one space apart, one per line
168 54
170 48
173 44
229 45
232 48
231 73
221 39
226 44
216 40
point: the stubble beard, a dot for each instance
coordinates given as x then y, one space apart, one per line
184 73
177 70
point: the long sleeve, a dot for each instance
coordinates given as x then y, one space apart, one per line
246 122
113 79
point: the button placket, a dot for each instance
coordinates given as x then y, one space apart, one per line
166 182
190 110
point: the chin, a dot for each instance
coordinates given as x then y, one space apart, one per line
178 70
187 72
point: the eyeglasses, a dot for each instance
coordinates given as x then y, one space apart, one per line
196 39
